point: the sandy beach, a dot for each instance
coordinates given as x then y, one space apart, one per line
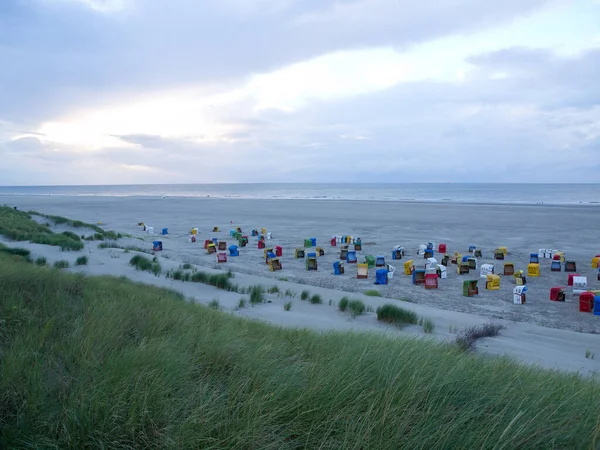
553 334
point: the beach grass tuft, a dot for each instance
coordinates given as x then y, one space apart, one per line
373 293
102 362
356 307
316 299
343 303
394 314
287 306
214 304
304 295
142 263
81 261
61 264
257 294
467 338
41 261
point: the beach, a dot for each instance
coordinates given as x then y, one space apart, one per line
553 334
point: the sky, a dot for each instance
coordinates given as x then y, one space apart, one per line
222 91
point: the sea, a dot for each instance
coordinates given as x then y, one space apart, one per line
555 194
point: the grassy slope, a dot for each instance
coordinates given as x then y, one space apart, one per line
103 362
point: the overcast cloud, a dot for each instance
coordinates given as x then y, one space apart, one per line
148 91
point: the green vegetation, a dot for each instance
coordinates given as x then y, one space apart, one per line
372 293
428 325
273 289
59 220
19 226
304 295
214 304
316 299
187 266
257 295
466 338
241 303
287 306
589 354
101 362
394 314
289 293
41 261
356 307
343 304
81 261
142 263
62 264
219 280
16 252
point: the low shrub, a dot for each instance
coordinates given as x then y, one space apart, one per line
273 289
241 303
287 306
214 304
343 304
394 314
41 261
142 263
304 295
187 266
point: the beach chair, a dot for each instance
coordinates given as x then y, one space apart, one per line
191 238
509 269
338 268
478 254
150 230
442 248
430 246
586 302
534 258
462 268
503 250
391 270
269 256
492 283
157 246
418 276
555 266
519 295
431 281
233 250
333 242
263 231
268 250
370 260
307 243
344 252
215 240
351 257
485 270
222 257
557 294
472 248
358 245
274 264
381 276
579 285
570 266
570 278
311 262
456 258
442 272
207 242
470 288
278 251
519 278
238 229
533 270
397 252
165 231
320 251
597 305
362 271
559 256
596 262
431 263
445 260
428 253
313 242
269 235
212 248
254 233
472 262
379 261
261 244
215 229
408 267
194 231
299 253
243 241
222 245
498 254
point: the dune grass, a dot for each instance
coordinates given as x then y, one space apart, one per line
316 299
394 314
81 261
62 264
101 362
373 293
142 263
466 338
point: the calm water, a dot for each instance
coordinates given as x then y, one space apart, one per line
426 192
